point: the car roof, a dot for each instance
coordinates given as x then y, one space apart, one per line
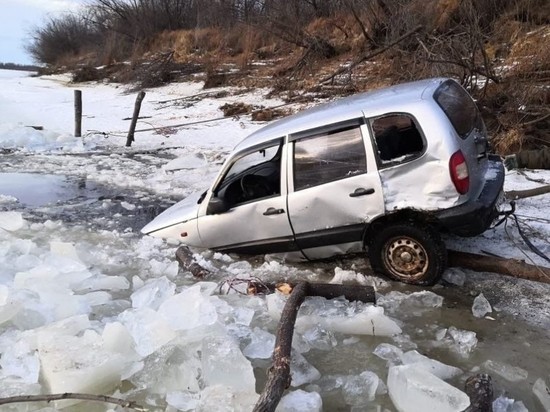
387 99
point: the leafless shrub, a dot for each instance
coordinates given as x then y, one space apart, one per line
68 35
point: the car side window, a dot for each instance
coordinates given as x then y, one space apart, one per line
328 156
253 176
397 137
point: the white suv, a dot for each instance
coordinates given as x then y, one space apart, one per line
385 171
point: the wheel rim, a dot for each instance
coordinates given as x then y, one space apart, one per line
405 258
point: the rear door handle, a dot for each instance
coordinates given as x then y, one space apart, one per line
272 211
360 191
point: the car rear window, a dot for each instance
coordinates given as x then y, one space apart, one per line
459 108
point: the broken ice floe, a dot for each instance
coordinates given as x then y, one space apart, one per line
481 306
415 390
508 372
299 401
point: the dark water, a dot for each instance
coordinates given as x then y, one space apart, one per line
79 201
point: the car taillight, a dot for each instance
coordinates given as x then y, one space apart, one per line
459 172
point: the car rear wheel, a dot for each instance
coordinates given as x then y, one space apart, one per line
408 252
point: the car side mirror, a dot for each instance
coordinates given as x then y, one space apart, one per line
217 205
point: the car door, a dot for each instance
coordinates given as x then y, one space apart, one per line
255 220
334 188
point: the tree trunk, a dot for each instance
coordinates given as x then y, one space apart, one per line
508 267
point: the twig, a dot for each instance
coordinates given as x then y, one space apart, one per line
371 55
175 126
80 396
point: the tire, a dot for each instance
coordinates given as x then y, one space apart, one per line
408 252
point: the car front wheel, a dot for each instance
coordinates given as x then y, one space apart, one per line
408 252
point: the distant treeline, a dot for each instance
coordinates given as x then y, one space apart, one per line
22 67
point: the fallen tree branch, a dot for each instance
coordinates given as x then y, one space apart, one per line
371 55
509 267
185 258
79 396
278 379
522 194
279 374
365 294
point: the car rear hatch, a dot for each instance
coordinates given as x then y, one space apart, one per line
471 135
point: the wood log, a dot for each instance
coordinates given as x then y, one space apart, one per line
522 194
359 293
185 258
279 374
509 267
137 108
479 389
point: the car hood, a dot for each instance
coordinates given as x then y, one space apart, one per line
183 211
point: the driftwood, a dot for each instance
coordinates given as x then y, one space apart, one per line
358 293
509 267
279 374
79 396
522 194
479 389
185 258
278 379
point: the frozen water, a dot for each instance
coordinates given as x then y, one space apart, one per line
261 345
433 366
222 398
301 371
20 361
389 352
161 361
416 303
222 361
11 221
504 404
542 392
464 341
416 390
190 309
361 389
300 401
481 306
348 277
183 401
454 276
367 321
149 330
319 338
79 363
153 293
508 372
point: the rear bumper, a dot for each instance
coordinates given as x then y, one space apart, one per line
474 217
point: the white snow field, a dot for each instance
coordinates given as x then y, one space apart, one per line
88 304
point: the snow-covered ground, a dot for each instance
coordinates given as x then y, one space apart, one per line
87 304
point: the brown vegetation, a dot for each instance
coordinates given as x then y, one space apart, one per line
498 49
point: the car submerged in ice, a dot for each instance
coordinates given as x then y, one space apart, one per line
385 172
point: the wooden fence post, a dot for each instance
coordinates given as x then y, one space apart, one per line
78 113
137 108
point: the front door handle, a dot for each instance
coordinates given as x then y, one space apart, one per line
360 191
272 211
